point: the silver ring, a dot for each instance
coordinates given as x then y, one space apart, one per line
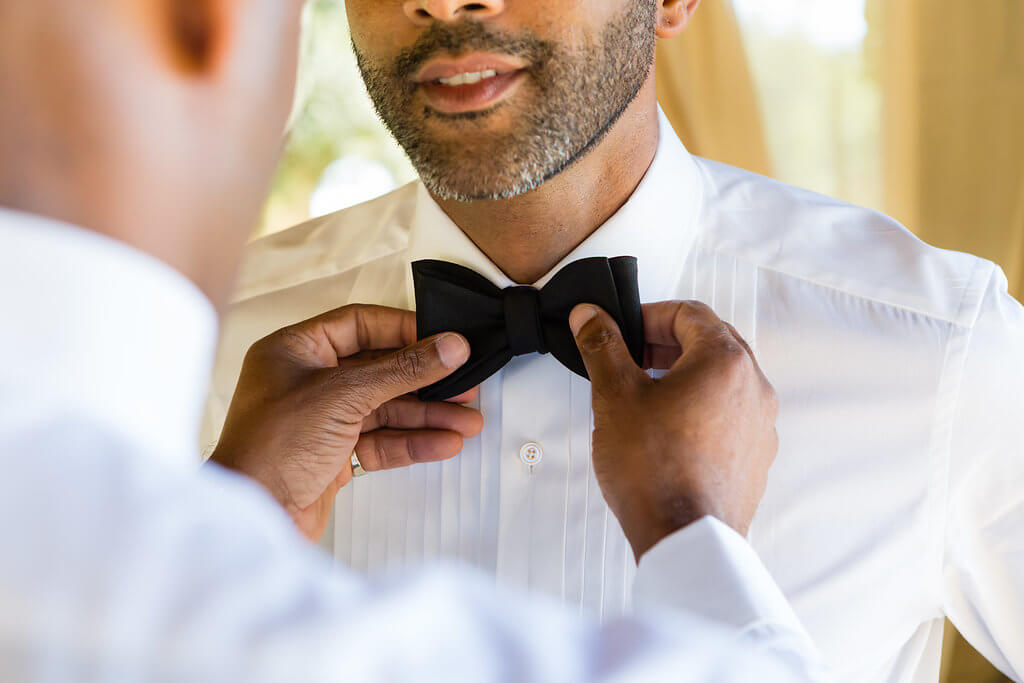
357 469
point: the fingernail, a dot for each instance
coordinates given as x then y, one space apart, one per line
453 349
580 316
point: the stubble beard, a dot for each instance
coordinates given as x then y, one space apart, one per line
580 92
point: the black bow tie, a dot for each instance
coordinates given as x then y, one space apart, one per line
500 324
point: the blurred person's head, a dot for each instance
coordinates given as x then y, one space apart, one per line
491 98
157 122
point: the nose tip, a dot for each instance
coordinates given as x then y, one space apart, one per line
425 12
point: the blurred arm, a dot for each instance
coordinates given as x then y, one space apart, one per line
118 568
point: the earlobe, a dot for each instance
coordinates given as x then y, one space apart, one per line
192 28
197 31
189 36
674 16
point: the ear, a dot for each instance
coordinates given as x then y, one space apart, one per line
190 36
196 29
674 16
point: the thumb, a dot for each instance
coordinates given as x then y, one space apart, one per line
406 370
604 351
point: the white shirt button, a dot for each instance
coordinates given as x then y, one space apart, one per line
531 454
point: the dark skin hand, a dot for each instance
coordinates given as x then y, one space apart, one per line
310 394
698 441
667 452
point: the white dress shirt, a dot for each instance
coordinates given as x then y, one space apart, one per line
898 492
123 560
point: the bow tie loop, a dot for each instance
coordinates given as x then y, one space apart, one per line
501 324
522 321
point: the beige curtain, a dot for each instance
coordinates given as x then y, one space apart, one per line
954 124
707 92
953 78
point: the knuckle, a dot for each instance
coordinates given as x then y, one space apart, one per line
698 310
734 353
409 364
385 415
381 454
739 337
597 338
730 348
293 341
348 400
735 361
412 450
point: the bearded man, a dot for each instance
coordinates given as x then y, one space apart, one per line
898 493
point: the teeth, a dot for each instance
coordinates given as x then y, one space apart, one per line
468 79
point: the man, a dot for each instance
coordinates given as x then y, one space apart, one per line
898 494
132 168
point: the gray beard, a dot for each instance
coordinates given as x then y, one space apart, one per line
581 93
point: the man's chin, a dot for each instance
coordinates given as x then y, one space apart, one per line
491 122
469 191
485 169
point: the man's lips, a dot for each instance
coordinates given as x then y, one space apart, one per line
469 83
475 63
470 97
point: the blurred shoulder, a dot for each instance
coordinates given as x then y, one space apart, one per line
800 234
328 245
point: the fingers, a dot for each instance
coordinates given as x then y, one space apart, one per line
373 383
364 357
663 348
680 323
467 397
360 327
411 413
660 357
386 449
746 347
769 390
603 349
346 331
674 327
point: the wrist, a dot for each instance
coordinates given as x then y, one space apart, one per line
232 459
645 526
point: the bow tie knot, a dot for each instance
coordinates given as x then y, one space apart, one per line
522 321
503 323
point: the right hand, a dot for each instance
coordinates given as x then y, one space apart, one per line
310 394
698 441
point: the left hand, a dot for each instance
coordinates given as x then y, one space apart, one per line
311 393
698 441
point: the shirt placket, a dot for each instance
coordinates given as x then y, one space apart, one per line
534 449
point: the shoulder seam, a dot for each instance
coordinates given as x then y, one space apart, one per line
891 304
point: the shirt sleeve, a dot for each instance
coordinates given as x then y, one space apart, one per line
983 542
709 570
119 568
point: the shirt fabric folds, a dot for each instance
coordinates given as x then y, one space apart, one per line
897 497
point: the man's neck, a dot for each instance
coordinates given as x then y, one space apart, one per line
527 236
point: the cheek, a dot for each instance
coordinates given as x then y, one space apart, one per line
379 27
570 24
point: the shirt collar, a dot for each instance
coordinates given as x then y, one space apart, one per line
101 331
658 225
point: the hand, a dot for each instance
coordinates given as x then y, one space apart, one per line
310 394
698 441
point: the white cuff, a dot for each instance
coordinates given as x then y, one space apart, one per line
708 569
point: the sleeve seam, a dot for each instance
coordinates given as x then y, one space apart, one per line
951 382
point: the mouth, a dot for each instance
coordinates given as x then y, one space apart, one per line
472 83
